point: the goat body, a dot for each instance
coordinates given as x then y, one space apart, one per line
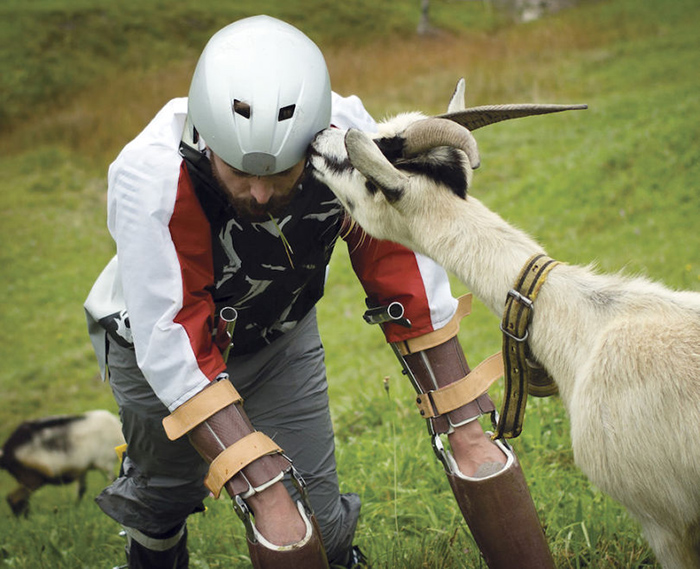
59 450
624 352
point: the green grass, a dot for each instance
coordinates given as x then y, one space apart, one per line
54 48
615 185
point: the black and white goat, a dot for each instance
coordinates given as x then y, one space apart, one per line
624 352
59 450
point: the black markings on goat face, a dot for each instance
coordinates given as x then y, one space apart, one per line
392 148
338 166
335 165
392 195
350 206
443 166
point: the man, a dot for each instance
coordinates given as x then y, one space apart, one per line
213 218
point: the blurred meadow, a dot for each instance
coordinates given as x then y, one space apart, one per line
616 185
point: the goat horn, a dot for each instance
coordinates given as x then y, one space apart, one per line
476 117
432 132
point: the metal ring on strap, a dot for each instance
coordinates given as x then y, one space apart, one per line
440 336
455 395
236 457
199 408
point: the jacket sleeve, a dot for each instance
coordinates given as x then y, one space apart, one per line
164 262
349 112
392 273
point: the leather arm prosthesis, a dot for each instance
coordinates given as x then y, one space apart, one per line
244 461
450 394
495 502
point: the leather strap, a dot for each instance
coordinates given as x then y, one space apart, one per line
437 337
522 374
199 408
236 457
455 395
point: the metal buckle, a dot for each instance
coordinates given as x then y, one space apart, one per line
521 298
512 336
528 304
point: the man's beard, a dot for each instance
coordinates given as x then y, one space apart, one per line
248 209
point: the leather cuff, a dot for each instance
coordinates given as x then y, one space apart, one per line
192 412
442 368
253 464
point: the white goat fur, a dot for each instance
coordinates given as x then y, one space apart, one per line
92 443
624 352
60 450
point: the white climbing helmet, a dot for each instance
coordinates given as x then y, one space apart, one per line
259 94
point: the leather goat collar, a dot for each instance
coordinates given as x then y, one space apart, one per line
523 374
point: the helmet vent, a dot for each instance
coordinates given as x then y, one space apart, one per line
241 108
286 113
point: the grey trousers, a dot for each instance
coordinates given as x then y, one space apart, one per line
285 396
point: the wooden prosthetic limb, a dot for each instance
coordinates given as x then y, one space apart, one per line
450 394
309 552
501 516
244 461
447 398
496 506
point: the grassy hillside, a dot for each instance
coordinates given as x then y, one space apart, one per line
615 185
75 44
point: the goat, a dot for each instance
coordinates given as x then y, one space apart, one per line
624 352
59 450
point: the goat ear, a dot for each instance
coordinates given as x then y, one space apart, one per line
457 101
367 159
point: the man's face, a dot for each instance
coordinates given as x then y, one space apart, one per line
255 198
